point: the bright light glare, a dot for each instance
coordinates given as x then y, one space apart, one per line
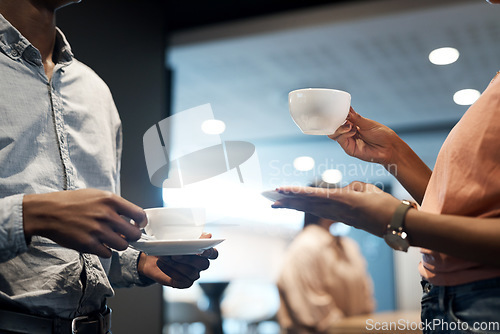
213 127
466 97
332 176
444 56
303 164
233 201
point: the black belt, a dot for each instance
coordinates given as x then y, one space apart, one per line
18 322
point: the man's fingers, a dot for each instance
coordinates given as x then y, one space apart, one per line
141 223
129 209
177 274
206 235
181 267
103 251
194 261
210 253
175 278
122 227
100 250
114 240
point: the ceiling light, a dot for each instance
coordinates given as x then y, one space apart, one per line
213 127
466 97
444 56
332 176
303 164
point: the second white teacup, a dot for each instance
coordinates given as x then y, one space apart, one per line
175 223
319 111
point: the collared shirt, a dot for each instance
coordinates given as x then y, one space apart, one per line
55 135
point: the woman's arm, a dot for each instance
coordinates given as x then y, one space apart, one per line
469 238
366 207
409 170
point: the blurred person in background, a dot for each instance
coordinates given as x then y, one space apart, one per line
323 279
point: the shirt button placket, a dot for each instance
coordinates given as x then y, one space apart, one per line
57 107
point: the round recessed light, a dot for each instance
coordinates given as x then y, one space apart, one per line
332 176
303 164
466 97
213 127
444 56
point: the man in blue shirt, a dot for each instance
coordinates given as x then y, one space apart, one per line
64 229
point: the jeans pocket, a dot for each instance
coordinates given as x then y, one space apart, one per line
476 312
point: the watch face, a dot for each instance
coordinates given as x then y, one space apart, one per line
395 241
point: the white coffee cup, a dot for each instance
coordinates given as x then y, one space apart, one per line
319 111
175 223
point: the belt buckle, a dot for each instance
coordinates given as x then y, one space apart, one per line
74 323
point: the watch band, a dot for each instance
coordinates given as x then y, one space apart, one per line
395 235
398 218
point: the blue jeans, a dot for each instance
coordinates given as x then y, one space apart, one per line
468 308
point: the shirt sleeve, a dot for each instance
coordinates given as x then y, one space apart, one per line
123 272
12 239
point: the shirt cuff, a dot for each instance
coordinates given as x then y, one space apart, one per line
123 271
12 238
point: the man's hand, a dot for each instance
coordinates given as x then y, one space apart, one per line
87 220
178 271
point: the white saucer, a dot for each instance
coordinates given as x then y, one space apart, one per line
175 247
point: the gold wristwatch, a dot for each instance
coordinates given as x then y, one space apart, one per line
395 235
